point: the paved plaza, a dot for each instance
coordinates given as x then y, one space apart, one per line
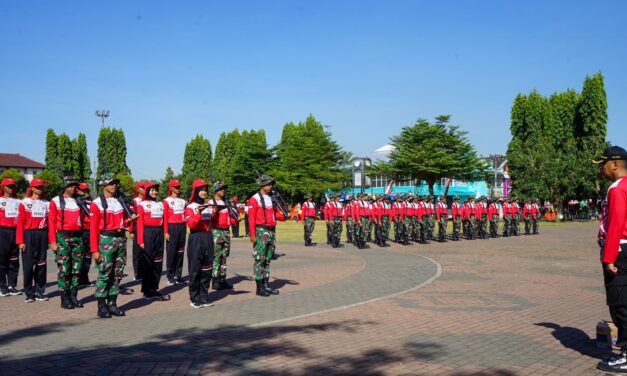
511 306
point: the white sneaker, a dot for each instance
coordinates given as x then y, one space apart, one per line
616 364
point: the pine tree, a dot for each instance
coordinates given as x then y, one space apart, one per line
163 187
252 154
226 148
83 172
68 165
196 163
52 160
112 152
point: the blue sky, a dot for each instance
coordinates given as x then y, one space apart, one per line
170 70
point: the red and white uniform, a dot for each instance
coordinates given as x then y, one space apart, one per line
386 209
441 210
337 209
535 210
468 209
397 211
614 225
527 210
493 210
71 216
481 210
308 209
348 211
456 210
149 213
32 215
262 213
223 220
115 217
9 210
173 212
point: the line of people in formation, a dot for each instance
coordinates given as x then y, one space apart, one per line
415 218
79 230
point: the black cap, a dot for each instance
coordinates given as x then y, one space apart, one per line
612 153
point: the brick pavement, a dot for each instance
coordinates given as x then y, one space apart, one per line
520 306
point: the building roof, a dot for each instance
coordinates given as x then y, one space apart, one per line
15 160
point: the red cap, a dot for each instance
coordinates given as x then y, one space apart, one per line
148 185
5 182
83 186
235 200
173 183
197 183
141 184
34 183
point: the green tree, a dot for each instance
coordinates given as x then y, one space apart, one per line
227 146
308 160
52 183
252 153
429 152
83 170
21 184
163 185
112 151
68 164
127 185
52 160
196 163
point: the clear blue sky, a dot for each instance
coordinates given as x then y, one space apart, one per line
169 70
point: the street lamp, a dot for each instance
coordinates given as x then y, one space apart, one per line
102 114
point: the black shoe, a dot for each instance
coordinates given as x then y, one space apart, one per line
269 289
4 292
74 298
224 285
179 281
206 303
171 282
29 298
41 297
66 303
113 307
260 290
103 311
314 244
13 291
615 364
274 257
197 304
215 283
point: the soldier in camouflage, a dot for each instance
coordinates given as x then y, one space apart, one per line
308 216
336 215
349 207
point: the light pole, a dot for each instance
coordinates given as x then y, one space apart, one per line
102 114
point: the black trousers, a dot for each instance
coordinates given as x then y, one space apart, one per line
199 264
151 258
616 295
34 261
9 258
175 250
83 277
246 228
235 230
136 253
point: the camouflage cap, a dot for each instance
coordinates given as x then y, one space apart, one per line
265 180
69 180
308 195
107 178
217 186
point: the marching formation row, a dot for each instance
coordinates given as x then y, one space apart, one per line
415 218
79 230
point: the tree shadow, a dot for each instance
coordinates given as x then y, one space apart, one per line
574 339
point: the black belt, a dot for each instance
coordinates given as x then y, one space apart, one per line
269 228
364 216
337 217
113 233
222 229
153 226
37 229
8 228
71 234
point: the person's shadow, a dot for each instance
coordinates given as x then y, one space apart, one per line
575 339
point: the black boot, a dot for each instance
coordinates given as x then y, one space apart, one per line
113 307
269 289
215 283
224 285
103 311
260 290
73 297
66 302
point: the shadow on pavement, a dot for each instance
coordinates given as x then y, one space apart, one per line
575 339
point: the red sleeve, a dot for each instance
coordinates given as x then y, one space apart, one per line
302 212
192 218
19 232
437 213
166 214
94 227
52 222
252 217
617 201
140 224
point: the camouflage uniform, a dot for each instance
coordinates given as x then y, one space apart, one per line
309 228
221 250
111 269
262 253
350 224
69 259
